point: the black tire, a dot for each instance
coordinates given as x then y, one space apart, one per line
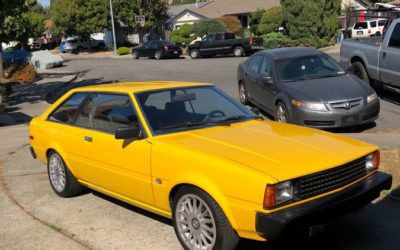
244 98
135 55
194 53
280 106
158 55
72 187
358 69
238 51
226 237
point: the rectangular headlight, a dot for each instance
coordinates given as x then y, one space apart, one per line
372 98
278 194
372 161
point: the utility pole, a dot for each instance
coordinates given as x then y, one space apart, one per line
113 29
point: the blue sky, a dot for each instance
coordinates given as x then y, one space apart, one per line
44 2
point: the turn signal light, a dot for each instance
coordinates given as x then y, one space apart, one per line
270 197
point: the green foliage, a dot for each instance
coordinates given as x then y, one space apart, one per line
278 40
123 51
232 24
310 19
207 26
154 11
35 21
255 20
271 20
183 34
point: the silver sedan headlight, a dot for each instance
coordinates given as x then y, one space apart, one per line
372 98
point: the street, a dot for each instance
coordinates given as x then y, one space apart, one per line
34 217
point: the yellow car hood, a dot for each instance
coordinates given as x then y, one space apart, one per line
278 150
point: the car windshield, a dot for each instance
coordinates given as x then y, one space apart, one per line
308 67
173 110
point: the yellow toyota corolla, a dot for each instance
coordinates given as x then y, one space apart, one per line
190 152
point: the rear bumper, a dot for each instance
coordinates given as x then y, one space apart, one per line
322 210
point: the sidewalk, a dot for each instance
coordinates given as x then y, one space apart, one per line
332 49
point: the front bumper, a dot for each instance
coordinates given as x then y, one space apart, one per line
322 210
367 113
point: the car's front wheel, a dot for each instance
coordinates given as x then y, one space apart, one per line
281 113
200 223
238 51
61 179
135 55
194 53
243 94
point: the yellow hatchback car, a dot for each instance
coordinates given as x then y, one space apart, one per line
189 152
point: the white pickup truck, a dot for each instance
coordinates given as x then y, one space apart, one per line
376 59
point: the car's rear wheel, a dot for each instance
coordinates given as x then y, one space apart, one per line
243 94
135 55
61 179
238 51
194 53
158 55
359 70
281 113
200 223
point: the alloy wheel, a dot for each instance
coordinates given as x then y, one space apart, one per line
242 93
195 223
57 172
281 114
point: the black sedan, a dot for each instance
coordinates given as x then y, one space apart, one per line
158 50
307 87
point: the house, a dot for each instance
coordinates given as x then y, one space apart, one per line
190 13
357 4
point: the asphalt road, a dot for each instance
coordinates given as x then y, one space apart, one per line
220 71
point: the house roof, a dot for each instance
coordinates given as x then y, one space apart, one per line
218 8
175 10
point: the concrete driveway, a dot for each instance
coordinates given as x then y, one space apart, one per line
33 217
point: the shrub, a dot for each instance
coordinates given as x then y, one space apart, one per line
207 26
277 40
24 73
232 24
183 34
123 51
270 21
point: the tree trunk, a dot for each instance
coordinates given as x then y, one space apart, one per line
1 64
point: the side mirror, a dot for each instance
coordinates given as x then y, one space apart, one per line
128 133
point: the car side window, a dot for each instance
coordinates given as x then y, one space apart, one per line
84 118
67 111
265 68
210 38
254 64
219 37
113 111
395 38
373 24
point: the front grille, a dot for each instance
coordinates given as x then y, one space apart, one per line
370 116
319 123
347 104
329 180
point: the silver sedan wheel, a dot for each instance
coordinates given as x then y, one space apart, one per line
57 172
242 93
281 114
195 223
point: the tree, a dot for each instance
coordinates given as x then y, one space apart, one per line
270 21
35 21
207 26
232 24
183 34
255 20
12 25
310 19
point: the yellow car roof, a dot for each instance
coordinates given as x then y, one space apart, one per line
130 87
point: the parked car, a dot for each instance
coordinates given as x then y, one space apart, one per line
368 28
77 44
222 43
189 152
61 47
157 49
375 60
306 87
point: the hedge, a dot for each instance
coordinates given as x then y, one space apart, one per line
123 51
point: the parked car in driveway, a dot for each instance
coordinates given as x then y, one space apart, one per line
78 44
222 44
307 87
189 152
375 60
157 49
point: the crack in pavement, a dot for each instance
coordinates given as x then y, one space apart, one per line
4 188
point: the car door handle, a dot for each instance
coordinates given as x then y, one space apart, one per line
383 55
88 138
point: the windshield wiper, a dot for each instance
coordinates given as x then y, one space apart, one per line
231 119
184 125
